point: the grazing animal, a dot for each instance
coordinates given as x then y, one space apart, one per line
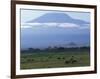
67 61
72 60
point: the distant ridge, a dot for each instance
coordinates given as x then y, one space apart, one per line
57 18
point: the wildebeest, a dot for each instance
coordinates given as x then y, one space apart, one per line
72 60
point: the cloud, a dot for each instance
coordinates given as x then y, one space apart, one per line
59 25
26 26
30 24
68 25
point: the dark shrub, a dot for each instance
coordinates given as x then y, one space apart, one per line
63 57
67 62
58 58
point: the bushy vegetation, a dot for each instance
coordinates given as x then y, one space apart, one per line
55 57
54 49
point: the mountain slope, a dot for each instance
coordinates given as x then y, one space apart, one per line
57 18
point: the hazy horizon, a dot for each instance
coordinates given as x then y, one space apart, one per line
41 29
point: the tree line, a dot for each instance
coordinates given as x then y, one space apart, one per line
55 49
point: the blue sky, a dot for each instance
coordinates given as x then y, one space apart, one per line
42 35
27 15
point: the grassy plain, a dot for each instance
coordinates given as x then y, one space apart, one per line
47 59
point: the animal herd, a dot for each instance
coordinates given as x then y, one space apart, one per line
70 60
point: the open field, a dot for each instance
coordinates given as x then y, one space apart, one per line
47 59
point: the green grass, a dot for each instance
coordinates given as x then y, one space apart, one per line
54 59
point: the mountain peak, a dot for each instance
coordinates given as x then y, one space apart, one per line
52 17
57 17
